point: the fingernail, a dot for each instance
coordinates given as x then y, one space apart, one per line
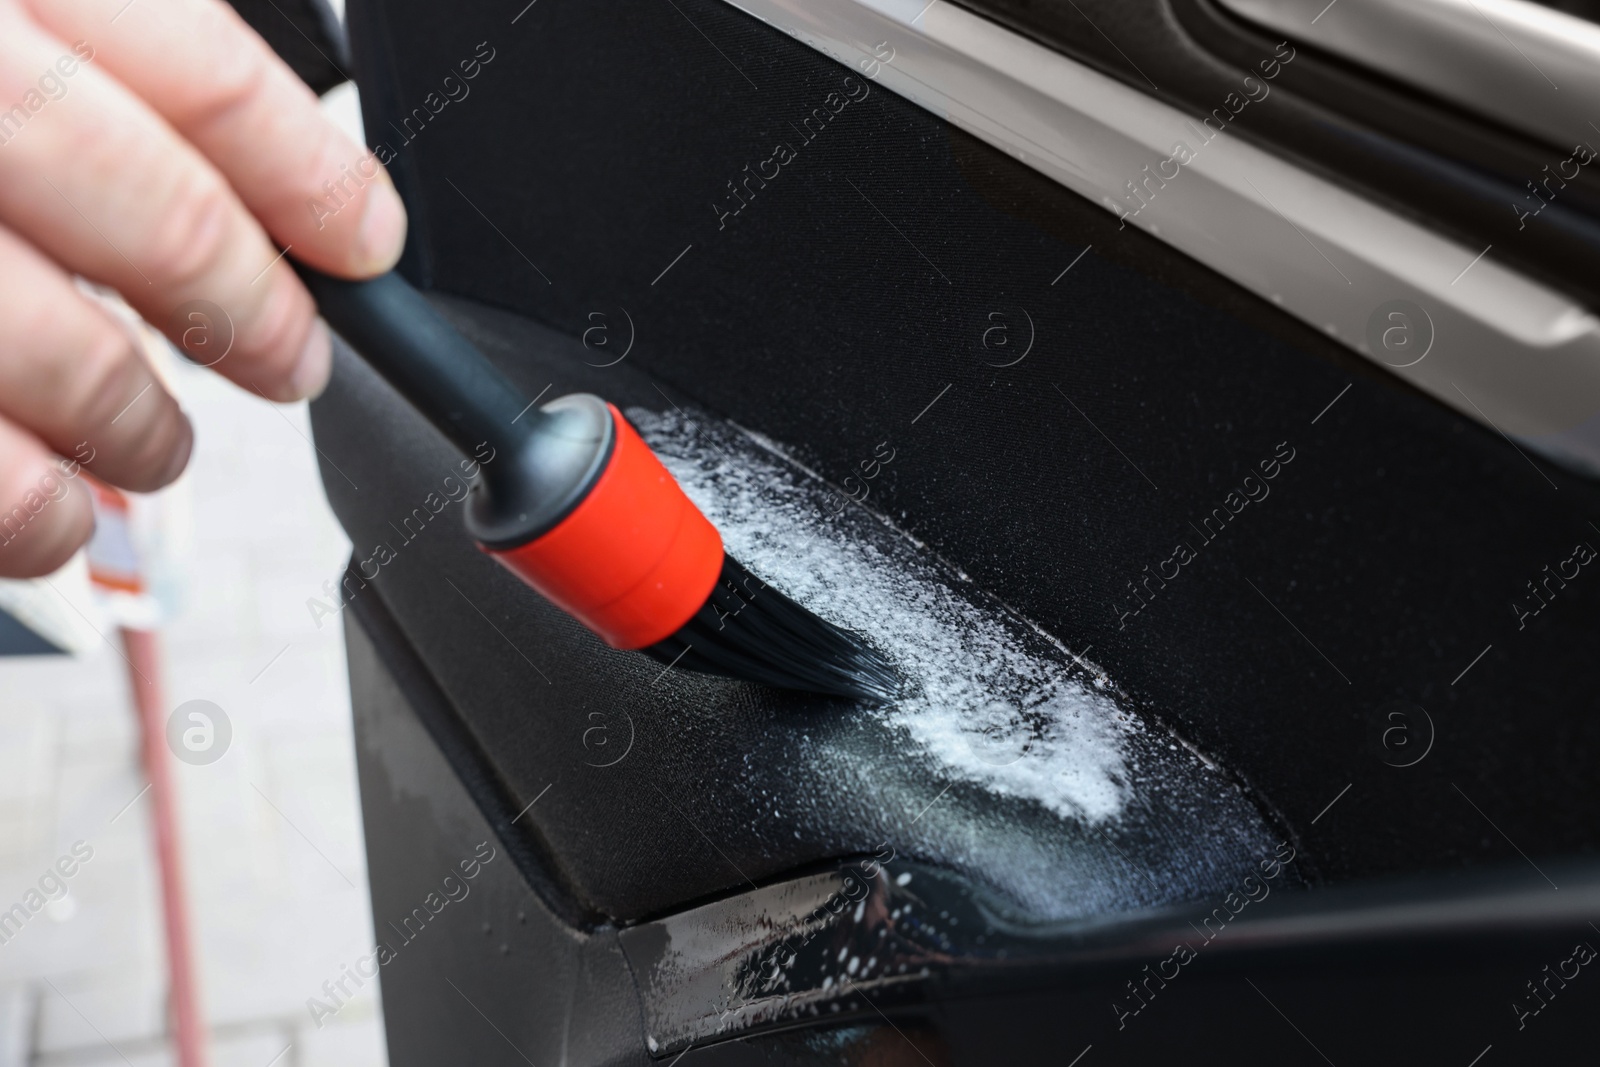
180 454
383 230
310 375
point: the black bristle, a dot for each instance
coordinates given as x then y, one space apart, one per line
747 629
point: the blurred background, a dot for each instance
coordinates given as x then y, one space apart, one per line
269 828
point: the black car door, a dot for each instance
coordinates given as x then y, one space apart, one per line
1198 401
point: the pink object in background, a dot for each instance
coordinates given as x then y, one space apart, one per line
114 568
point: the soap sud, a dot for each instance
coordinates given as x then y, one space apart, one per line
990 697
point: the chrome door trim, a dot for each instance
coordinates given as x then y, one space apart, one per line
1505 351
1531 67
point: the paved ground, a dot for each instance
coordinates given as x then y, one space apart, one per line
272 830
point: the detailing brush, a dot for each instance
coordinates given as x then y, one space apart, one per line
576 505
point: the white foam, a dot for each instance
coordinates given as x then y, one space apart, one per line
989 697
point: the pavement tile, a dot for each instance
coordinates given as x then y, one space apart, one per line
278 890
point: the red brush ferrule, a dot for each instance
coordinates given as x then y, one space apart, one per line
635 560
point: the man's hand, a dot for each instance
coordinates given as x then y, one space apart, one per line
160 148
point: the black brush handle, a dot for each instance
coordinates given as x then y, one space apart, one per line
440 372
544 465
540 462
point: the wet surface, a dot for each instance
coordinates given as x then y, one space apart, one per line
1001 721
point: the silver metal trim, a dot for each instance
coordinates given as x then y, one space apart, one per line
1505 350
1531 67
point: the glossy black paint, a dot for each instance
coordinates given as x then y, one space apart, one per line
489 972
880 963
